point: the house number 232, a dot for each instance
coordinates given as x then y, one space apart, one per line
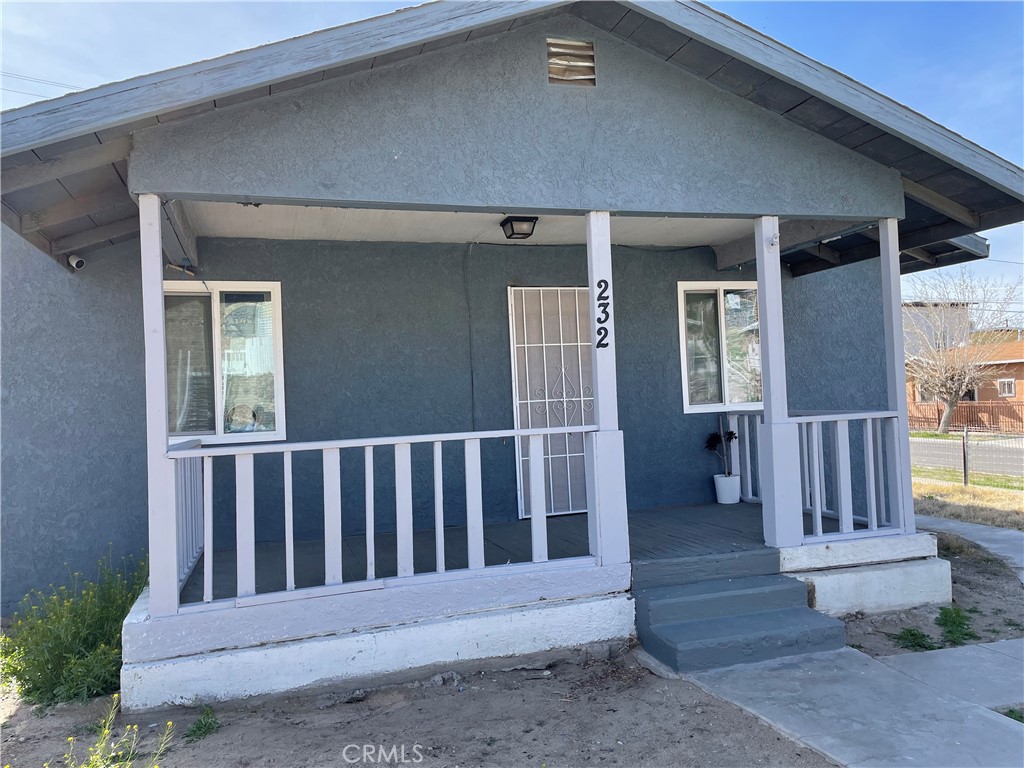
604 302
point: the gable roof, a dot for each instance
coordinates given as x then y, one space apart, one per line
953 187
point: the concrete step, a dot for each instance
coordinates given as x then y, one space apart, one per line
700 644
648 574
723 597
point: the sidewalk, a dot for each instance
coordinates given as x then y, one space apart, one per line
1004 543
924 709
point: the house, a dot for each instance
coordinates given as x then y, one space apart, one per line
327 324
1003 363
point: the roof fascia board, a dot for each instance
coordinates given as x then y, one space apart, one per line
142 97
761 51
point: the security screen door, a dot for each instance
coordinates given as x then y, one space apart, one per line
552 386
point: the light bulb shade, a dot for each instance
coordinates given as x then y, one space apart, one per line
518 227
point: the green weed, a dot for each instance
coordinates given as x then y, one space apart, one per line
1015 714
66 645
914 640
956 626
204 725
116 751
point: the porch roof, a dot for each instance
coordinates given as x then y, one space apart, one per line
65 160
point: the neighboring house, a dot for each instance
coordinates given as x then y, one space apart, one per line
311 363
930 325
1003 361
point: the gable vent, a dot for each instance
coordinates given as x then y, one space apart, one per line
571 62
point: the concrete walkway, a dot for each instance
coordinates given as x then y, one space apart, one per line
1005 543
904 710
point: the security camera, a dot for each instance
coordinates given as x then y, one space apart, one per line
76 262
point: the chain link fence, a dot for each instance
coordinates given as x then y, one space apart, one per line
968 457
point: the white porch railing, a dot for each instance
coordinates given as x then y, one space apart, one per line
860 492
188 494
850 481
744 453
194 473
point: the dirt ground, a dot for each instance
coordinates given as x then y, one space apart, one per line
983 586
608 713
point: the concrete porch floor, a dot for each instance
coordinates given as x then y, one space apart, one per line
656 533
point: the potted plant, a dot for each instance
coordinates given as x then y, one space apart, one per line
727 485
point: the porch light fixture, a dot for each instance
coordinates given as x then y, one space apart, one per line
518 227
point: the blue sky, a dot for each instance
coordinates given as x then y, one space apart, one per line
959 63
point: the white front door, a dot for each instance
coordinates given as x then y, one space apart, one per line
552 386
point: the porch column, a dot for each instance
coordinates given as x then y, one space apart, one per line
606 475
779 444
897 439
163 540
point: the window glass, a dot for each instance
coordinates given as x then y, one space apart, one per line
247 362
703 346
190 391
742 346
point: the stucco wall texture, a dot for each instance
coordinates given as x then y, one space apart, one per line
405 339
477 125
72 417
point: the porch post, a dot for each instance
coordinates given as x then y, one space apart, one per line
606 475
779 444
896 372
163 555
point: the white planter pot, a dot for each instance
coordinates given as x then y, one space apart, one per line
727 489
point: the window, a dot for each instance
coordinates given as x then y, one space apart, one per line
225 368
720 347
1006 387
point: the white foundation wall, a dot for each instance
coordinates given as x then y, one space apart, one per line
284 666
872 575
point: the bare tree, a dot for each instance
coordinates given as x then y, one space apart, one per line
946 319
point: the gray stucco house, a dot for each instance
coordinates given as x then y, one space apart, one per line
325 325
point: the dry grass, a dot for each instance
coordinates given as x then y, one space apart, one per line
973 504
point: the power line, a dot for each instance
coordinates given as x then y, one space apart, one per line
40 80
26 93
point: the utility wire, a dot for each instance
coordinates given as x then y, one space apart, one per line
26 93
40 80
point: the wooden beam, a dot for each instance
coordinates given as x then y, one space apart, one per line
918 253
73 209
12 220
942 204
797 235
76 161
71 243
182 232
824 252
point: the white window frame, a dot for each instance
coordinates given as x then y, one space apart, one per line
213 289
1013 387
684 287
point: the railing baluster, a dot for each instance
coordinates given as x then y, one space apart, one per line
538 503
841 474
805 478
879 473
474 504
403 509
332 516
245 527
207 529
746 476
892 472
289 524
438 510
817 481
371 527
869 474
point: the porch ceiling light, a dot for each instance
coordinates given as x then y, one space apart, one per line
518 227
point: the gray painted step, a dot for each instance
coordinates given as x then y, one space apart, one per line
673 571
690 646
714 599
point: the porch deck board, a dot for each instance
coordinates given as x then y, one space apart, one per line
655 533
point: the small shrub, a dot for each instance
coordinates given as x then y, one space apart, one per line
956 626
113 751
66 645
204 725
914 640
